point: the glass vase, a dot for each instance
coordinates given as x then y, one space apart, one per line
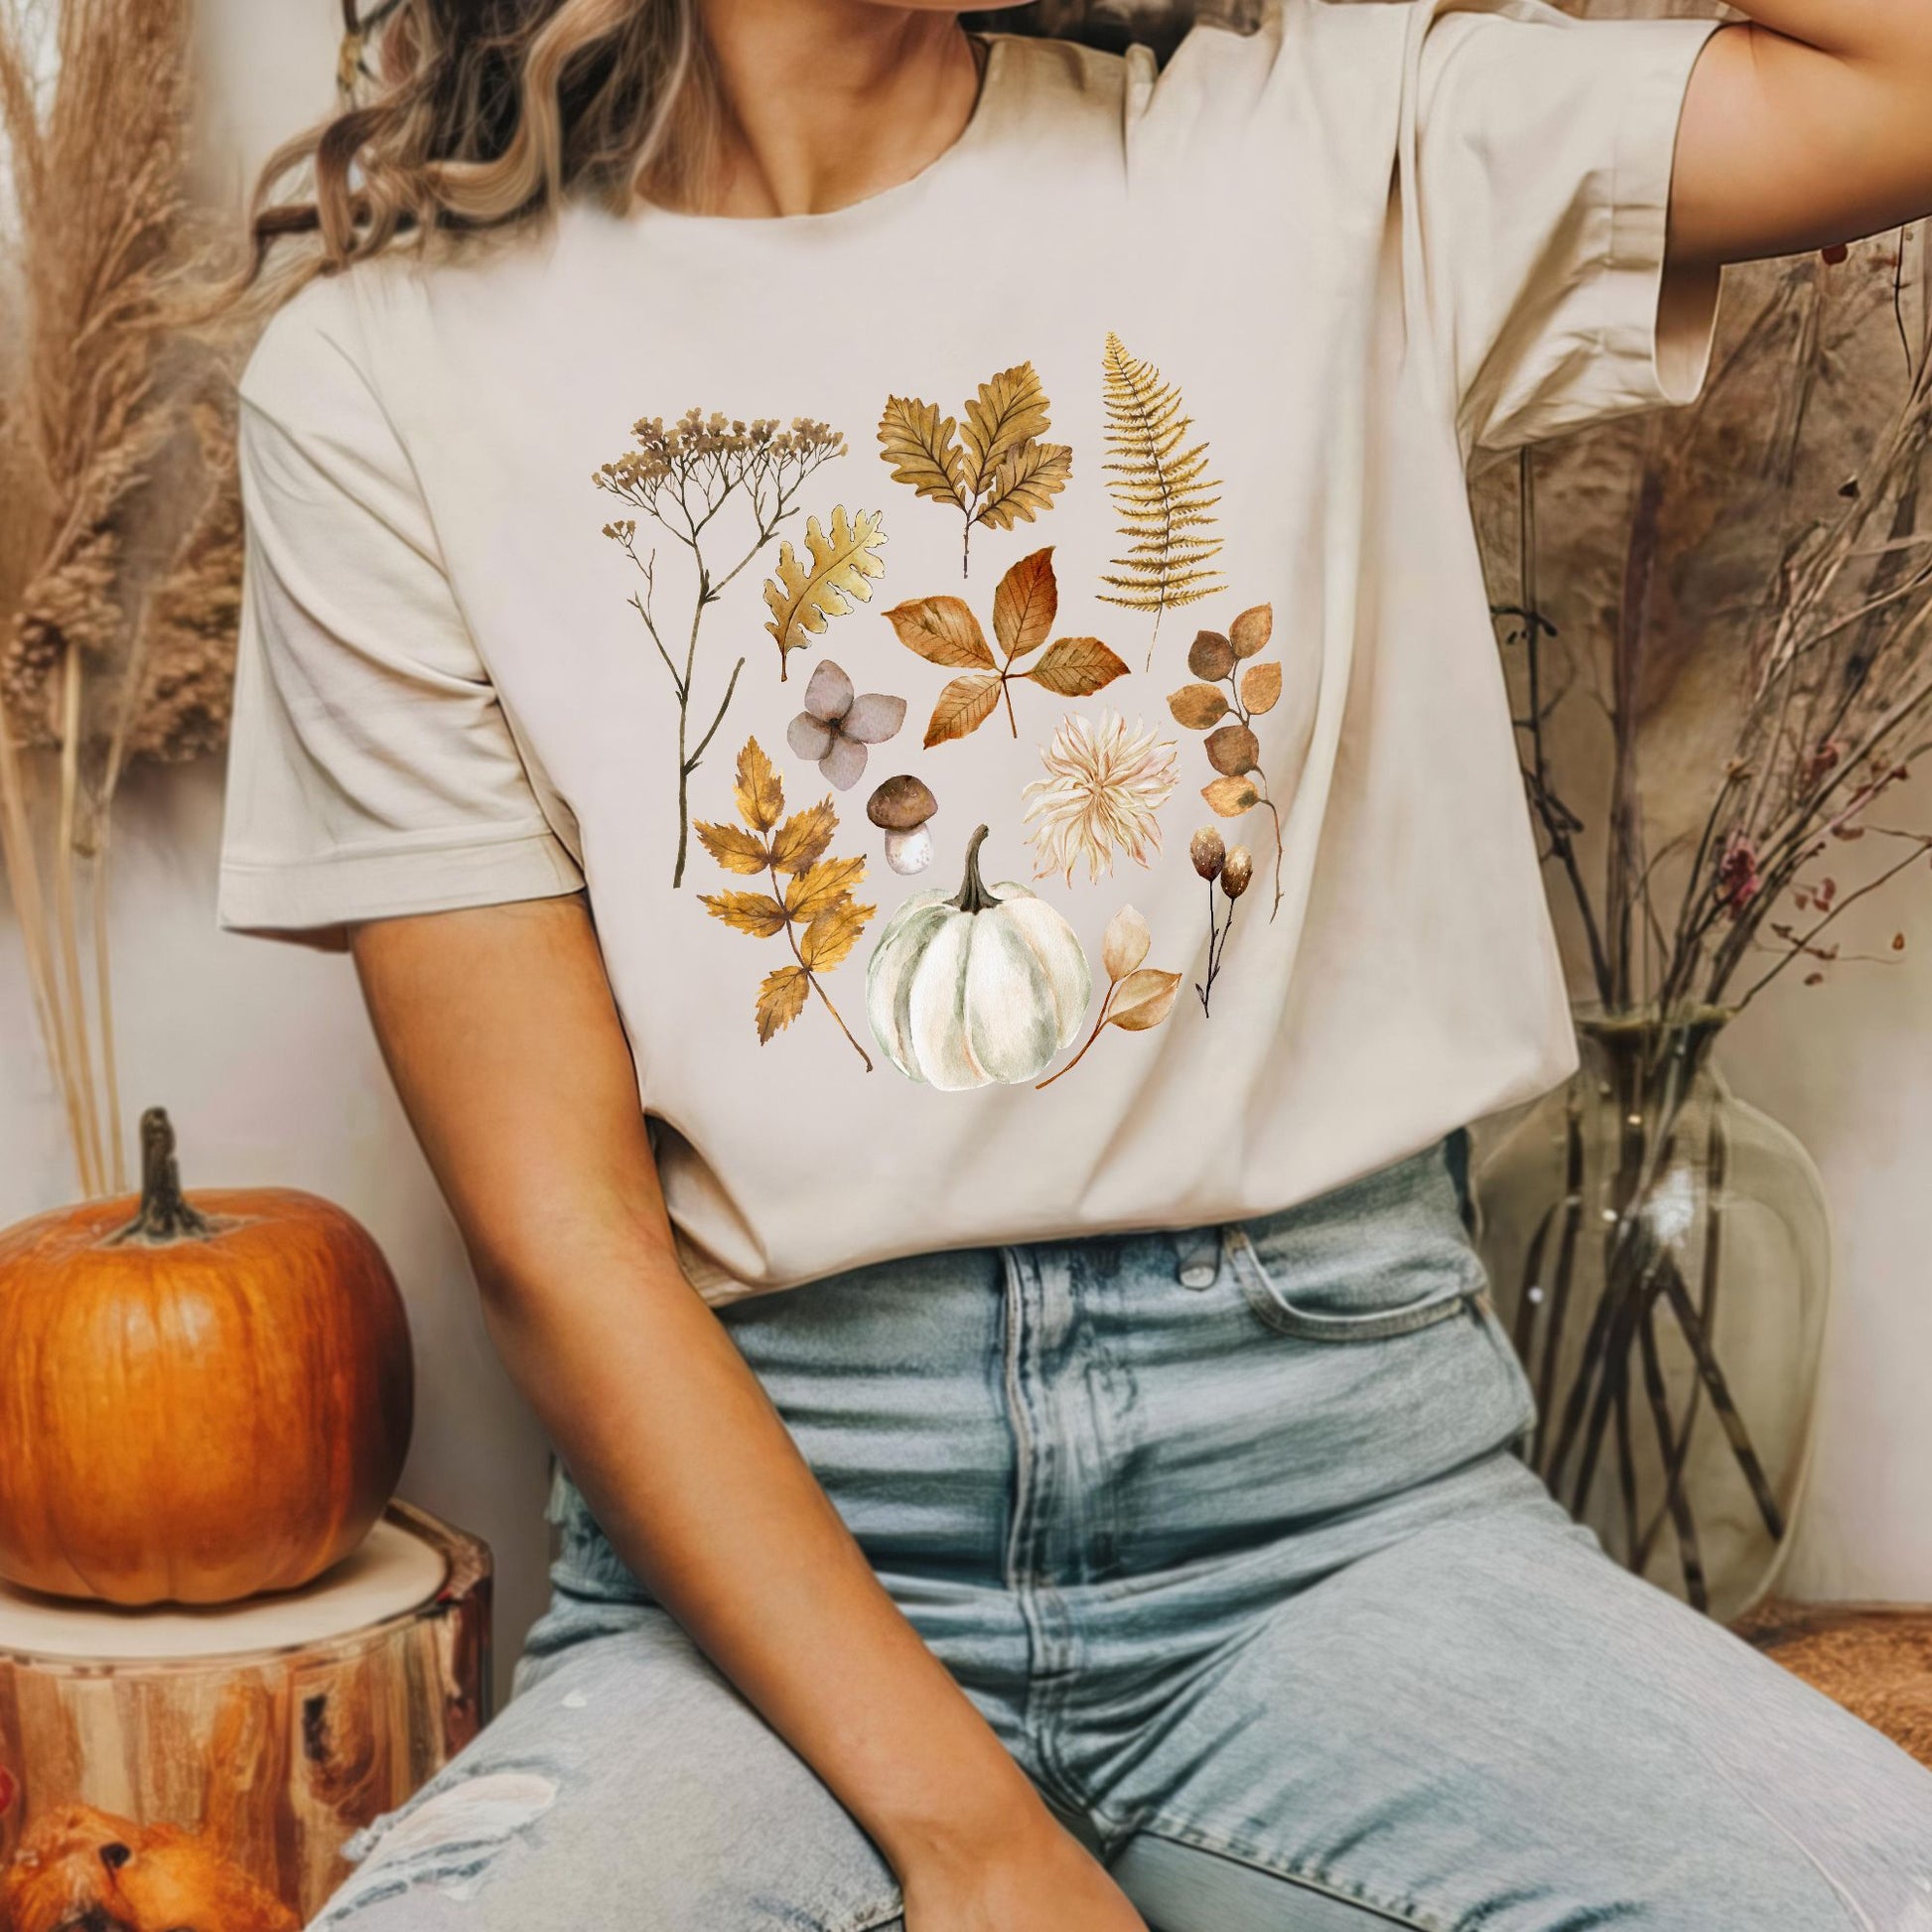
1661 1255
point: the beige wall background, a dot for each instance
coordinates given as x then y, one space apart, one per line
263 1056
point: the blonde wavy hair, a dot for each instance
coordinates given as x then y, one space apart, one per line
480 116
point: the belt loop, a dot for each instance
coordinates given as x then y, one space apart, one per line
1198 1256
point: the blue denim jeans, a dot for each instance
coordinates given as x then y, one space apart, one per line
1223 1532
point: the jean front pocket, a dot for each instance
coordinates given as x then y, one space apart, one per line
1289 1311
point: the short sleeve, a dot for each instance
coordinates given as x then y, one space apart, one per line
371 770
1542 154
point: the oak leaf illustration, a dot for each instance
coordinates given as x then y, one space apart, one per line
833 576
991 465
811 898
943 630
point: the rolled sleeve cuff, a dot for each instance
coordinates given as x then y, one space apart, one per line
315 902
1660 322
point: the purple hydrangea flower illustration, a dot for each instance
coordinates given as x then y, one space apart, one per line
837 725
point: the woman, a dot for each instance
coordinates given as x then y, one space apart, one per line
1029 861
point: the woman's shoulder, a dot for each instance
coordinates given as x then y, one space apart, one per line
1275 70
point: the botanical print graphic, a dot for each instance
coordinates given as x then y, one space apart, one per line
1162 493
902 807
811 900
683 478
992 467
1228 718
976 988
943 630
1103 786
837 725
1139 997
832 577
1232 870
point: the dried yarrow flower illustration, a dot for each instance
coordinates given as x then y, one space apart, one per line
1162 493
1139 998
837 723
683 477
832 577
1232 871
992 467
811 900
944 630
1103 786
1232 748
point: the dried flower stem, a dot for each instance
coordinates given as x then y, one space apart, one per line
683 477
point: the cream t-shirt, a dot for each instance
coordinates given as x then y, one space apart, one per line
1101 486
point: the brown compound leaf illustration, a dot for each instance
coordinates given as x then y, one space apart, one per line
783 994
964 706
944 630
1076 667
811 900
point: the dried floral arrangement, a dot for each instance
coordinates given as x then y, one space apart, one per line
1722 676
120 546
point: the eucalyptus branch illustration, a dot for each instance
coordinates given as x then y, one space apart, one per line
1232 748
682 477
1162 493
811 900
991 467
944 630
833 577
1137 997
1232 870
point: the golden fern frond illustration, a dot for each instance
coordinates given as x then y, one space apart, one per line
1162 492
834 574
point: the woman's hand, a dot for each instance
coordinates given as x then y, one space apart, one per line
1038 1879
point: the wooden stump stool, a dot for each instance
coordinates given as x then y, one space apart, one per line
1875 1659
282 1724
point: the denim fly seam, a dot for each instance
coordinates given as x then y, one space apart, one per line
1054 1653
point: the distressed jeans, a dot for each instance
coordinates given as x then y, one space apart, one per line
1224 1532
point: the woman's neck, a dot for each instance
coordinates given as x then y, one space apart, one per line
828 101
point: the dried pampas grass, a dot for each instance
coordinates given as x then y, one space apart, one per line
121 543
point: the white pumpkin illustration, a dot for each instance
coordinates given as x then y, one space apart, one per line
977 987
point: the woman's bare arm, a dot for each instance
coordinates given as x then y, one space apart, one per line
500 1032
1812 125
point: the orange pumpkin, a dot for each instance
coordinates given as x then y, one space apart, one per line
210 1399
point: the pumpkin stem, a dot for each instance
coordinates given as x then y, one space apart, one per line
166 1213
973 895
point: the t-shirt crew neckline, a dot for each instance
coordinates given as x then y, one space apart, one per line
882 205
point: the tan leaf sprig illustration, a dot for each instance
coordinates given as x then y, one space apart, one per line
991 467
811 900
1162 492
1139 998
944 630
1233 870
833 576
1228 717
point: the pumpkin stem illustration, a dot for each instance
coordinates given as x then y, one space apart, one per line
166 1213
973 895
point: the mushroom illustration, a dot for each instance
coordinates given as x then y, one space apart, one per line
900 807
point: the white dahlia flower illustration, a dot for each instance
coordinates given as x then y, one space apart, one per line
1103 785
